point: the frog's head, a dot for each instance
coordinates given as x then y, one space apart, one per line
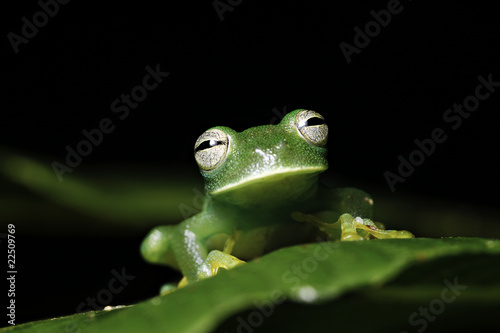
269 163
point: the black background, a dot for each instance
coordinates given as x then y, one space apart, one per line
261 57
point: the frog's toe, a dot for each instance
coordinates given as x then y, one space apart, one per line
376 230
217 259
351 237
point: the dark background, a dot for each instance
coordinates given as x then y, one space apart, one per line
261 57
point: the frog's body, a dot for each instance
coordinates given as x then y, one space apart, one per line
254 181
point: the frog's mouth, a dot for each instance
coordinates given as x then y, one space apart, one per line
284 184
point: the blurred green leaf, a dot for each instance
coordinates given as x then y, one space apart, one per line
133 197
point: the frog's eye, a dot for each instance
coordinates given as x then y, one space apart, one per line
211 148
312 126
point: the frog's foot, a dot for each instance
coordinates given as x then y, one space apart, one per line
217 259
366 229
352 228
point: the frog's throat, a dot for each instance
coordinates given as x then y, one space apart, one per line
270 175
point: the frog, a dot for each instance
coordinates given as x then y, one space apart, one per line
262 192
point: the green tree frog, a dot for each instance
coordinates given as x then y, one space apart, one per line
262 193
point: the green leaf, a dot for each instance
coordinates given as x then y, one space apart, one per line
367 286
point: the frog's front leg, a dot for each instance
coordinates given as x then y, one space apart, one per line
354 209
190 248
